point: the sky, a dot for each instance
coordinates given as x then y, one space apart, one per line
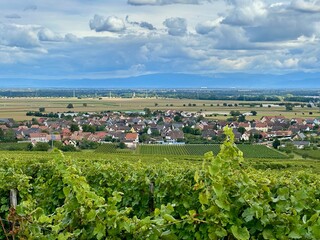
114 39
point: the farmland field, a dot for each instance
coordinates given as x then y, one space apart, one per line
315 154
249 151
18 107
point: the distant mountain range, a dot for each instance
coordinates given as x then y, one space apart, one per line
219 80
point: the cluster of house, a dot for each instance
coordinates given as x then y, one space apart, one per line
161 127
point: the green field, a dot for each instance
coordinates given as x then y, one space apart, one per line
249 151
314 154
14 146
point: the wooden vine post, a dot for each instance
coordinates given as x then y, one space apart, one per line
13 198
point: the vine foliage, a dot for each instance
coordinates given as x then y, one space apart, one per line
66 199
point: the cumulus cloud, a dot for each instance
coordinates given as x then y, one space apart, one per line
274 22
306 6
46 34
30 36
13 16
282 27
246 12
14 35
208 26
229 37
162 2
176 26
69 37
109 24
142 24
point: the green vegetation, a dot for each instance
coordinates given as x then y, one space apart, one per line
85 196
249 151
315 154
113 148
15 146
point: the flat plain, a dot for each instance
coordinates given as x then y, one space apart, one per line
18 107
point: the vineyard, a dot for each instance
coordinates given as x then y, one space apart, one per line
75 196
315 154
111 148
249 151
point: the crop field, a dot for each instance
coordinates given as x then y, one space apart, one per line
249 151
18 107
111 148
315 154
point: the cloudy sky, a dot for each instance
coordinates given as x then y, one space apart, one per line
100 39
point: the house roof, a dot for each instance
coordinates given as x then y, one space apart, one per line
131 136
38 135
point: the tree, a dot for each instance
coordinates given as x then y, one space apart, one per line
254 113
289 107
234 113
85 105
276 143
41 146
88 128
9 136
29 147
74 127
144 138
155 133
56 144
1 135
160 120
68 148
241 130
122 145
251 138
70 105
177 118
108 139
242 118
42 109
147 112
200 118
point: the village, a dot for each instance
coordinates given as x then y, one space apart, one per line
157 127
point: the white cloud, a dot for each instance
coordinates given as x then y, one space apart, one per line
176 26
46 34
246 12
208 26
306 6
243 35
162 2
143 24
14 35
109 24
71 37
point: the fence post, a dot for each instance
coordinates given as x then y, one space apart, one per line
13 198
151 197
